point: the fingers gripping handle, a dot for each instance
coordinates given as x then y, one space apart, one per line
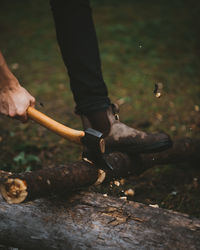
58 128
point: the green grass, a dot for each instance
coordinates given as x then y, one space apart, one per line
141 43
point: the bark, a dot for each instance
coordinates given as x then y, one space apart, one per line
15 188
92 221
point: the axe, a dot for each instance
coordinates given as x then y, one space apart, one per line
94 150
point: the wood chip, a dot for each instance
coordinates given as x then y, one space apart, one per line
117 183
101 177
154 205
158 95
129 192
122 181
123 198
196 108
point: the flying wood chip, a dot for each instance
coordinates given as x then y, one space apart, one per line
158 90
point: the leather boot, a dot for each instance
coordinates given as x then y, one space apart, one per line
120 137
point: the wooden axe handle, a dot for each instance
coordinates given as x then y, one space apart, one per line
58 128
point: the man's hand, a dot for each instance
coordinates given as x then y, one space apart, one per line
14 102
14 99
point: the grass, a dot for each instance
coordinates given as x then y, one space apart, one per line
141 43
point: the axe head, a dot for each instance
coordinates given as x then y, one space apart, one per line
94 148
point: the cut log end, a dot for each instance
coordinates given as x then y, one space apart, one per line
14 191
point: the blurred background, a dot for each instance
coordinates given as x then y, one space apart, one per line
142 43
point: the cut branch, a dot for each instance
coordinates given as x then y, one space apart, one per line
15 188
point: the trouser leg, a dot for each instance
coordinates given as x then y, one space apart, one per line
78 44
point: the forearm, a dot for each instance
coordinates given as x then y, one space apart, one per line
14 99
7 79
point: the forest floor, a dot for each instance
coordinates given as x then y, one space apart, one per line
141 43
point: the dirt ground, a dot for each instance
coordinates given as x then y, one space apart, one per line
141 43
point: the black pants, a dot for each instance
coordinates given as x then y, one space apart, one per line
78 44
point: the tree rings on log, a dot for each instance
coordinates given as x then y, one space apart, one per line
14 191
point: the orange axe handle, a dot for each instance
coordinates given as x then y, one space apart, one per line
58 128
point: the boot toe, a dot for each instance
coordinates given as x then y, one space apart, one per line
152 143
158 142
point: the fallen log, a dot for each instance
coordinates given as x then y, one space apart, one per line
92 221
16 188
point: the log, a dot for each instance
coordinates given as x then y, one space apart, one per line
16 188
92 221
